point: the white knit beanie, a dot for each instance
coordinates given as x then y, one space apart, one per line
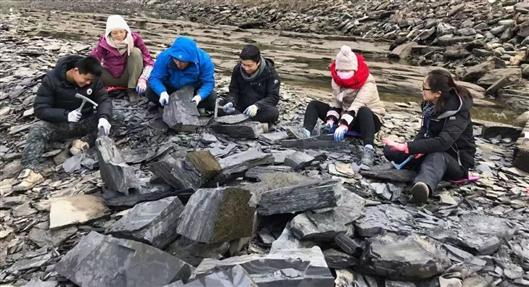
346 59
116 22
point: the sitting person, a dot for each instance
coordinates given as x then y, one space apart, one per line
124 57
254 87
57 107
445 139
183 64
355 106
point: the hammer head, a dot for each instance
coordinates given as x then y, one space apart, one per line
85 99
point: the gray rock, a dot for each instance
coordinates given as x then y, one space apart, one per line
390 283
309 195
403 51
339 260
117 175
181 114
349 245
193 171
232 277
299 160
39 283
380 218
257 173
405 258
325 142
232 119
300 267
491 130
120 262
76 209
217 215
273 138
152 222
235 165
245 130
29 263
194 252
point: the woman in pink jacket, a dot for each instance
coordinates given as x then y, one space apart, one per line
124 57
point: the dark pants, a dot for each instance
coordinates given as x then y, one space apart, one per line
208 103
365 121
432 167
43 133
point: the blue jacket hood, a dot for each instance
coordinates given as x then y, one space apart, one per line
184 49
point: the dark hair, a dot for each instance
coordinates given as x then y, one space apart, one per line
440 80
250 52
89 65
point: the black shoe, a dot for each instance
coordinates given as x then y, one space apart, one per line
420 192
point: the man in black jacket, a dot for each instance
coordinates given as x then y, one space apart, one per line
59 111
254 87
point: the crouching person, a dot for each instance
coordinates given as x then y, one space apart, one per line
254 87
57 107
445 143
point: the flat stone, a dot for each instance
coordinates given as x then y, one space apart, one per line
390 283
405 258
216 215
380 218
120 262
235 165
230 277
474 73
325 225
181 114
232 119
140 155
117 175
300 267
395 175
273 138
351 246
76 209
256 173
44 237
152 222
325 142
298 160
338 260
133 199
193 171
491 130
494 75
245 130
402 51
40 283
29 263
521 151
194 252
309 195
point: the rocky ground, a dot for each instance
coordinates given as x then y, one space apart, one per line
313 216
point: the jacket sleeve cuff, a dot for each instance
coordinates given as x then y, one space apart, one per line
347 119
332 115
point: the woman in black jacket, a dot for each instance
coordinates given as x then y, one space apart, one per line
444 147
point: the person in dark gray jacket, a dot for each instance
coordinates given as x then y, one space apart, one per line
254 87
444 147
60 113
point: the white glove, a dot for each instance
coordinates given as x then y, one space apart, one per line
164 99
74 116
196 99
251 111
228 108
103 123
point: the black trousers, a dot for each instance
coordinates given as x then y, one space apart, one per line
432 167
208 103
365 121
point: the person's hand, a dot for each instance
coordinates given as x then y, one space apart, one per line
251 111
104 124
196 99
228 108
74 116
339 133
141 87
164 99
395 146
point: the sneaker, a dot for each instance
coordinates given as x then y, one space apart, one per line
78 147
420 192
298 133
133 96
29 180
368 156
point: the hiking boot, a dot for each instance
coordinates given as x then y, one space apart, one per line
298 133
78 147
133 96
368 156
420 192
29 180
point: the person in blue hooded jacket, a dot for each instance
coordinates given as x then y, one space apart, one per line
183 64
